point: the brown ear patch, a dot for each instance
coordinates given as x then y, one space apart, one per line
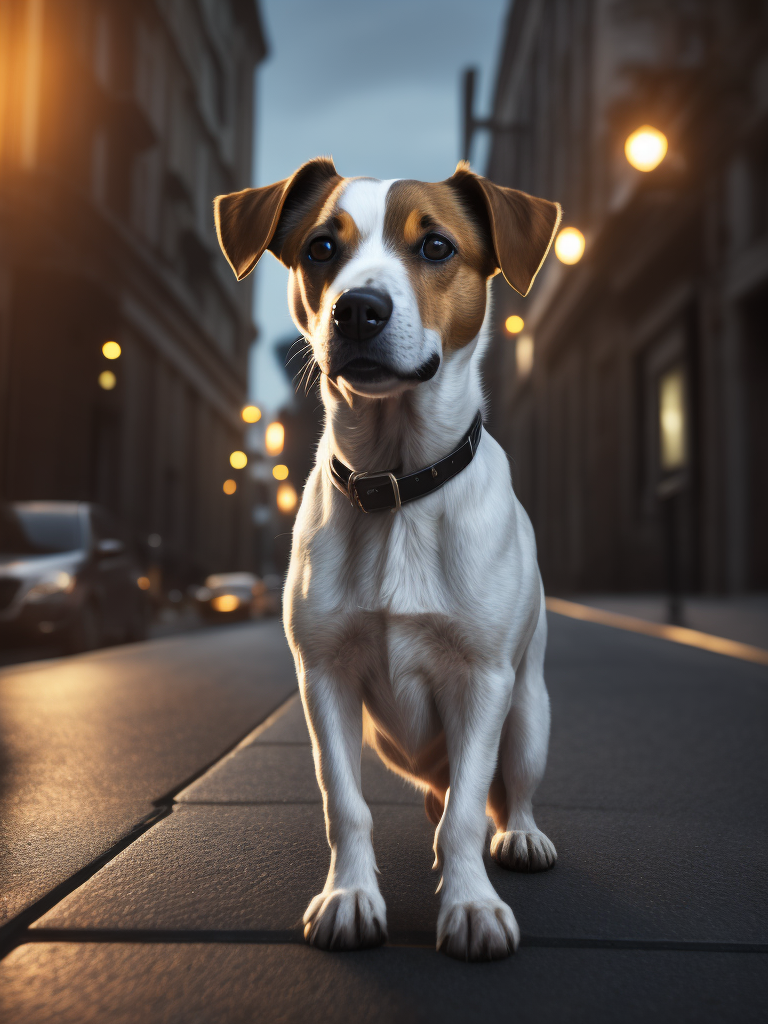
251 221
522 226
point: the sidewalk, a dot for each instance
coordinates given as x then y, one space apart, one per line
743 617
654 797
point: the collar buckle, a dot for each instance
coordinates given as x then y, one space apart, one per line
354 496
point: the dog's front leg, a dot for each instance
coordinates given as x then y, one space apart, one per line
349 913
473 924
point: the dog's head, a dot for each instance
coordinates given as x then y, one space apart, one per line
387 278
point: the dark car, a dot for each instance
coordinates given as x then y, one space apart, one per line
236 596
67 576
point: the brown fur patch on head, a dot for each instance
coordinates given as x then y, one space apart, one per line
310 280
451 294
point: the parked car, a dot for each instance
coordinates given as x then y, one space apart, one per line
67 576
236 596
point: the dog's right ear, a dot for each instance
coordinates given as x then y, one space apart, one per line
246 222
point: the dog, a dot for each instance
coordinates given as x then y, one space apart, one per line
414 606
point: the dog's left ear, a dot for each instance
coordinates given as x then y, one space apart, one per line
521 226
247 222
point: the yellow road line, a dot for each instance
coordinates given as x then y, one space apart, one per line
678 634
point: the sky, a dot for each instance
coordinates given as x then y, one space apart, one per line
375 84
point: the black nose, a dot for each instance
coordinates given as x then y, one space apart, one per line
361 313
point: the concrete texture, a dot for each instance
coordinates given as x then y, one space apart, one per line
237 984
655 910
88 743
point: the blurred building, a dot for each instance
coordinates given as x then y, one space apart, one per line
119 123
634 403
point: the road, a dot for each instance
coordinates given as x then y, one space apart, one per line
159 867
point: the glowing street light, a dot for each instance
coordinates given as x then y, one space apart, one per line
274 438
287 498
229 486
251 414
645 148
280 472
569 246
524 355
672 426
111 350
107 380
238 460
514 324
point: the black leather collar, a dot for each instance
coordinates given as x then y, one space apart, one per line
379 492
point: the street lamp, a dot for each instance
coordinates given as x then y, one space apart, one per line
645 148
238 460
274 438
569 246
111 350
280 472
251 414
673 457
524 355
514 324
287 498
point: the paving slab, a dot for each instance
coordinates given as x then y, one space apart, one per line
87 744
285 773
289 726
88 983
619 876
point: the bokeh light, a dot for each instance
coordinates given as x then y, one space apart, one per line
238 460
143 583
107 380
229 486
524 355
287 498
225 603
645 148
280 472
569 246
514 324
111 349
274 438
251 414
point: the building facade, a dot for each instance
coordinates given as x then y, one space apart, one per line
120 120
634 403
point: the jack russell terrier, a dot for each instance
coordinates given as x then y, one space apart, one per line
414 605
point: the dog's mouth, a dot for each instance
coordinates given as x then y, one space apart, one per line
363 370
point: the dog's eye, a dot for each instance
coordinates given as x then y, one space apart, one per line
322 249
436 248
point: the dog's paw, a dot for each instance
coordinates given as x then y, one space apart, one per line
523 851
346 919
483 930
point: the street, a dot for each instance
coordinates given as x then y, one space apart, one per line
164 834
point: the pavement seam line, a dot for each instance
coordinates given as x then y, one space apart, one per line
171 795
17 931
277 937
676 634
